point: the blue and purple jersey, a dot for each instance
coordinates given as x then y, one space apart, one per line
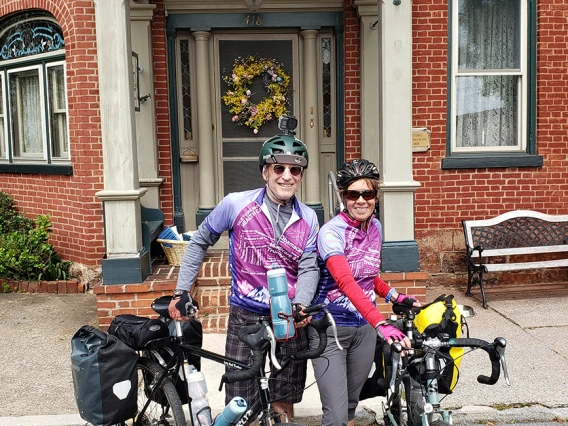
253 249
343 236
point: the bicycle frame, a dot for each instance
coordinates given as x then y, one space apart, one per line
179 362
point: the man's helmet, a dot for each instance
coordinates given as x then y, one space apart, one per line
354 170
283 149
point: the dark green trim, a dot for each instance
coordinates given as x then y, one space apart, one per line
470 161
208 21
501 159
201 214
174 131
340 98
32 60
318 208
37 169
126 271
400 256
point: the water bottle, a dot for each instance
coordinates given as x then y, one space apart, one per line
232 412
280 302
199 403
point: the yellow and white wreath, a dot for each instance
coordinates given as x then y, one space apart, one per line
237 98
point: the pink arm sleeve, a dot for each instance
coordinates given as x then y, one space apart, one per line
381 287
341 273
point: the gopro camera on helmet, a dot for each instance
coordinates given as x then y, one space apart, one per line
288 124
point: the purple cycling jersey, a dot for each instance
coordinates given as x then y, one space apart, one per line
343 236
253 249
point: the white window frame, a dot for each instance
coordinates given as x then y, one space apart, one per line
23 155
523 94
62 113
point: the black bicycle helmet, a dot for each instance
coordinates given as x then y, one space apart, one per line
354 170
283 149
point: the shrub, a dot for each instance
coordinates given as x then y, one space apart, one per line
25 253
10 219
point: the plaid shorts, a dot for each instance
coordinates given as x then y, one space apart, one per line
288 385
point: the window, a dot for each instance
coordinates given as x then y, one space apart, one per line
33 96
491 116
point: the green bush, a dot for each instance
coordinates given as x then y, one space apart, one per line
25 253
10 219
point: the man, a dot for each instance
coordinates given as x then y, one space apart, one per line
267 227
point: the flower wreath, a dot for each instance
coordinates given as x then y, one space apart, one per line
237 98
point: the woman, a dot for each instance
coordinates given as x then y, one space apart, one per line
349 255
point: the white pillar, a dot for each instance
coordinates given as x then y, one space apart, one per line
310 123
204 122
400 251
367 11
141 15
121 194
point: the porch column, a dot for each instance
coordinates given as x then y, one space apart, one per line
400 251
204 127
125 260
141 15
368 12
310 123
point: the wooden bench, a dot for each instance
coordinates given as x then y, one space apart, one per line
492 244
152 225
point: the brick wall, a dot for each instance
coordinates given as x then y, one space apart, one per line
76 213
352 84
448 196
159 50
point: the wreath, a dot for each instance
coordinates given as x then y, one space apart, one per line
237 98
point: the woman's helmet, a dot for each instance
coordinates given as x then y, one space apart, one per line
354 170
283 149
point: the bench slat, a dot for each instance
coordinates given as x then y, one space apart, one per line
522 250
501 267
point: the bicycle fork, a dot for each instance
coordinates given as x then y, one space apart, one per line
432 405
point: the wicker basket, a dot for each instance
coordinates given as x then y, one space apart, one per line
175 251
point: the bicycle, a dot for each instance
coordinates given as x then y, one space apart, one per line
162 392
413 396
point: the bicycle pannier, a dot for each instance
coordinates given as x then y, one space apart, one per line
136 331
104 377
443 316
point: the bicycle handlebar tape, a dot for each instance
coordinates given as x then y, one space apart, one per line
320 325
242 375
493 356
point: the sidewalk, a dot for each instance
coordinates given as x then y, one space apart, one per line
37 388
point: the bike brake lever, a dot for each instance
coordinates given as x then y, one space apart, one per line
395 355
500 343
334 329
273 359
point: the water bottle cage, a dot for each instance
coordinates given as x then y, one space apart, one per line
290 319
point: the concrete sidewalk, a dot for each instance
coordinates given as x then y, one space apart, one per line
37 387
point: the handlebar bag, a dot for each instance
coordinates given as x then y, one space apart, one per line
104 377
137 331
443 316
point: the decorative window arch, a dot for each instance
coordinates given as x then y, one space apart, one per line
33 94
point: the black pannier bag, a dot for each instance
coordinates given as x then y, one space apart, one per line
379 378
136 331
104 377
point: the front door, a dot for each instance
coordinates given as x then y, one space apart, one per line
257 79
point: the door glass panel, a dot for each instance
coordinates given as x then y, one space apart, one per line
240 144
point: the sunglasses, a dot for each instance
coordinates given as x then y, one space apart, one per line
354 195
294 170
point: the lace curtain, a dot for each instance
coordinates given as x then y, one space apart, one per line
489 43
25 107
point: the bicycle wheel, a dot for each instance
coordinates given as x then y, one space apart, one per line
165 407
